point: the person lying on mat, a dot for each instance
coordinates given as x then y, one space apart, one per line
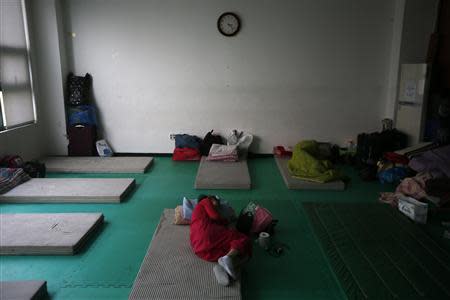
213 240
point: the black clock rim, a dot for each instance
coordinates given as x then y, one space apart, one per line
226 14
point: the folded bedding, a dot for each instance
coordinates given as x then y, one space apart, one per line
223 153
11 177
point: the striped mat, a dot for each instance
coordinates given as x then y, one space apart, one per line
171 270
378 253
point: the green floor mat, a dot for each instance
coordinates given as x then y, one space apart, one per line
377 253
106 269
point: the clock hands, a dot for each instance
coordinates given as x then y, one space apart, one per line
228 24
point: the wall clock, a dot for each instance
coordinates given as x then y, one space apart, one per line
228 24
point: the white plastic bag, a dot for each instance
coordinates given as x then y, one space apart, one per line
242 139
103 149
415 210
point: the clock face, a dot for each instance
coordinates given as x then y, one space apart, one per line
228 24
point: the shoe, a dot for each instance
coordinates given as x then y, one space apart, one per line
227 263
221 275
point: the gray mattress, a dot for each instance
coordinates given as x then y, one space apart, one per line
23 290
171 270
88 164
70 190
222 175
46 234
298 184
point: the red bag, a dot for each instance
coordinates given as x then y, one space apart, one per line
186 154
262 218
281 151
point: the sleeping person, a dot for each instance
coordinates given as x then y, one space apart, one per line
213 240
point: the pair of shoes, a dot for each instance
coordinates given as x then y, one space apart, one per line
221 275
227 263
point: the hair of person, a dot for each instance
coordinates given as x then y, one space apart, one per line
201 197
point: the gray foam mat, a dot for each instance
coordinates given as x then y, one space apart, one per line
69 190
88 164
23 290
298 184
171 270
46 234
222 175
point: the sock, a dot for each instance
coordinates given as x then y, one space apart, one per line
221 275
227 263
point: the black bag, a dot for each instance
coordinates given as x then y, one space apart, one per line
35 169
244 222
78 88
208 140
372 146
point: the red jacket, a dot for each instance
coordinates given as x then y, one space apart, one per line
210 236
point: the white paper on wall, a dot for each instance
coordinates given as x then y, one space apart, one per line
412 83
410 91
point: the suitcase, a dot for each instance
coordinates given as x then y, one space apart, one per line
82 140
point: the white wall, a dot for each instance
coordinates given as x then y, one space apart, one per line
298 69
49 58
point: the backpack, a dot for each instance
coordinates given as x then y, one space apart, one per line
372 146
208 141
78 88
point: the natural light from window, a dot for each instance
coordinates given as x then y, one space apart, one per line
17 102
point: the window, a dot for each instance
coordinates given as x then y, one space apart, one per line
17 104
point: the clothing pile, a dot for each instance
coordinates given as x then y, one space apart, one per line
223 153
191 147
11 177
431 182
238 143
187 147
14 171
392 167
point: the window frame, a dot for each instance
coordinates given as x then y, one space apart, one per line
3 117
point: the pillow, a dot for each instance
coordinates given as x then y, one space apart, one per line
188 207
178 219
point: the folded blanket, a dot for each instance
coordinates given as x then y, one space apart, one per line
221 150
223 158
10 178
223 153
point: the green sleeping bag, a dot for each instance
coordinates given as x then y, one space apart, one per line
306 164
